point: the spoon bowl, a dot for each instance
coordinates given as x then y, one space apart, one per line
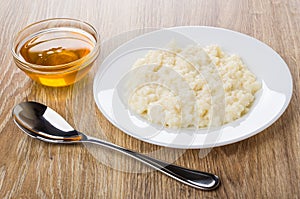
39 121
43 123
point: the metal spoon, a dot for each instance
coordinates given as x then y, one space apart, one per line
41 122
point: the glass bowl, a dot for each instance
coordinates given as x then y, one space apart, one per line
58 28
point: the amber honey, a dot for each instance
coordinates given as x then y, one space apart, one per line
56 48
56 56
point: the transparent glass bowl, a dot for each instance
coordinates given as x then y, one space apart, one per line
57 75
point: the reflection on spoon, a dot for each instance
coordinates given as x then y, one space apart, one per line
41 122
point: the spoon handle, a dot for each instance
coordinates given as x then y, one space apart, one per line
194 178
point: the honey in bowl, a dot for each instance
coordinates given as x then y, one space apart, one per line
56 56
56 48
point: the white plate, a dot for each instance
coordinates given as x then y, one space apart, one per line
271 101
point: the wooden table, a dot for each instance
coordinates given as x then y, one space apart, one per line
263 166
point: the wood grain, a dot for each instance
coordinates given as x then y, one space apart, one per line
263 166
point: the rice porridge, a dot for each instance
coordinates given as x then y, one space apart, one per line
191 87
